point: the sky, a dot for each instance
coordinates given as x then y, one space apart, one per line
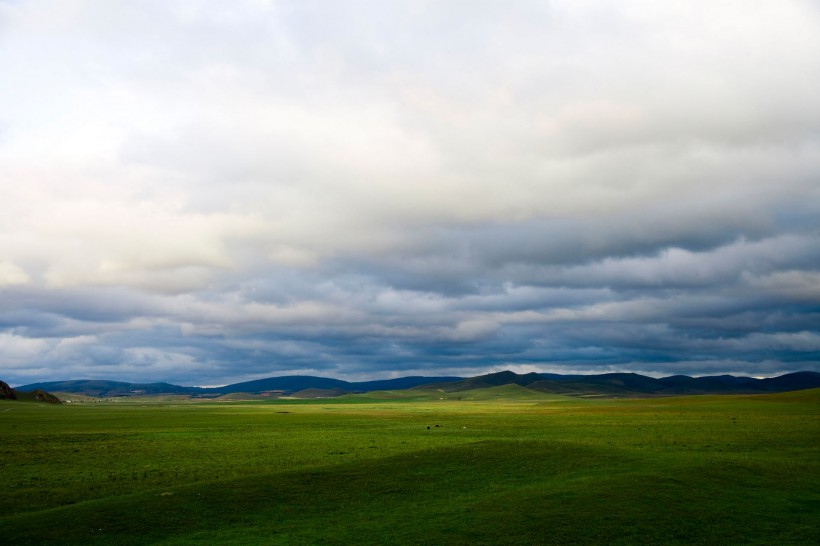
211 192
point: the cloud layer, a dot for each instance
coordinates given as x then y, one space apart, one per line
204 192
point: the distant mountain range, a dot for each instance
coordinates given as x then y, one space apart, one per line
305 386
632 384
283 385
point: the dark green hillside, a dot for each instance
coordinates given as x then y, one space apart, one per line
399 383
286 384
683 384
488 380
319 393
37 395
803 395
580 388
631 384
612 384
6 392
511 392
790 382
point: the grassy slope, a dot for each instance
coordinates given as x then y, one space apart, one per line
706 469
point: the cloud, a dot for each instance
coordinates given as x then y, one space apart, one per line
205 193
12 274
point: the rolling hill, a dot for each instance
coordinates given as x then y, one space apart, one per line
34 395
279 385
608 384
102 388
632 384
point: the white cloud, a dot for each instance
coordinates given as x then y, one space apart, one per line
12 274
406 172
19 352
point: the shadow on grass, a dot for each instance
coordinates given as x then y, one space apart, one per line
534 492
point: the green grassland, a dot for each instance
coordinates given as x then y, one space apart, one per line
491 466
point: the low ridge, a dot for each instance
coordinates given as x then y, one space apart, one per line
36 395
6 392
607 384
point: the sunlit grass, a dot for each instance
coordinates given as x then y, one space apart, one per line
501 467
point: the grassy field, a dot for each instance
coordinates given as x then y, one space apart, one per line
499 466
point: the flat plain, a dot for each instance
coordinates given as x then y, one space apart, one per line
497 466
